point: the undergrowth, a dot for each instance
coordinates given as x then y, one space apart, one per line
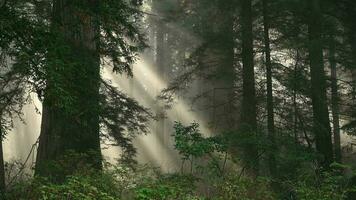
208 173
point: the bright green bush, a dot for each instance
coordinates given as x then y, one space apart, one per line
74 188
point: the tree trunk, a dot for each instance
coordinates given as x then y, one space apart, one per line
70 119
321 123
335 102
224 90
2 167
295 105
352 38
219 59
248 108
270 109
161 66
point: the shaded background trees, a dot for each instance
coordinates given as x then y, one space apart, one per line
265 75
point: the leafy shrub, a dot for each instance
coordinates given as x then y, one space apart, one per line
328 185
85 183
210 181
191 145
74 187
233 186
70 163
167 187
115 182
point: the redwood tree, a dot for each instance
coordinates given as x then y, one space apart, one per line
248 107
321 122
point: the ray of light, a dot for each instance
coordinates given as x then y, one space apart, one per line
156 148
20 140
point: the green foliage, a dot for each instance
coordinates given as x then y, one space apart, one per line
210 182
226 184
242 188
70 163
189 142
75 187
86 183
167 187
114 183
328 185
122 118
207 155
44 62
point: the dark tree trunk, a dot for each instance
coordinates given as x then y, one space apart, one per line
220 60
270 109
352 38
295 105
71 125
224 90
248 108
2 167
335 102
321 123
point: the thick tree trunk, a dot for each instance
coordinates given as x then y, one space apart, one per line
71 122
248 108
321 123
335 102
2 167
270 109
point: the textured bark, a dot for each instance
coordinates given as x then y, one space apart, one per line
321 123
270 109
75 127
2 169
248 108
335 102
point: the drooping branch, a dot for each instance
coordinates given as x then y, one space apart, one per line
122 118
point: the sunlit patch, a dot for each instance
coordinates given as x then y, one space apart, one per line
157 147
18 143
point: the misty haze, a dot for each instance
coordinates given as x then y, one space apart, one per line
177 100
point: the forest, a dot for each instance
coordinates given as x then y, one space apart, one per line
177 99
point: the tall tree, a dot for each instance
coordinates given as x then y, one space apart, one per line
160 60
71 122
56 53
321 121
351 29
222 45
248 108
270 105
346 12
335 100
211 61
2 170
